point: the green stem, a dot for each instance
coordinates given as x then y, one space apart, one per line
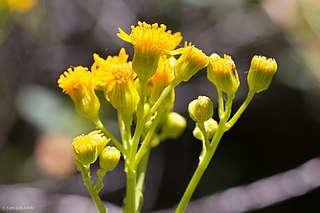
163 96
125 129
130 203
85 172
220 103
141 174
122 131
100 125
204 133
99 184
244 105
140 122
146 142
131 165
205 157
202 166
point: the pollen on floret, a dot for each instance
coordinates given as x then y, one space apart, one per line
114 69
115 76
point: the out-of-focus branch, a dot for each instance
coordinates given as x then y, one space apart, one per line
262 193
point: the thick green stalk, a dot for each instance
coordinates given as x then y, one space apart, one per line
130 202
131 166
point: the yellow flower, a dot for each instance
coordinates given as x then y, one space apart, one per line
88 147
261 72
161 79
21 6
190 62
109 158
150 43
77 82
223 74
116 77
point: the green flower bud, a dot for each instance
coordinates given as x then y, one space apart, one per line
155 141
174 126
261 73
201 109
211 127
109 158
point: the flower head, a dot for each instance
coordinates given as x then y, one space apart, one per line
88 147
261 72
150 43
116 77
77 82
223 74
190 62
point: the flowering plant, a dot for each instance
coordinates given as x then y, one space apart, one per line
142 92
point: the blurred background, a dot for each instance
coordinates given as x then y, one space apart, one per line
268 162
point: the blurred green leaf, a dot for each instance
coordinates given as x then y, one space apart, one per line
48 111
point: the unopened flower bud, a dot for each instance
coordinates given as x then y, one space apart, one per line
261 72
109 158
201 109
155 141
174 126
223 74
210 126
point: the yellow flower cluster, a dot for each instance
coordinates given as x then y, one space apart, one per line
154 65
142 90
